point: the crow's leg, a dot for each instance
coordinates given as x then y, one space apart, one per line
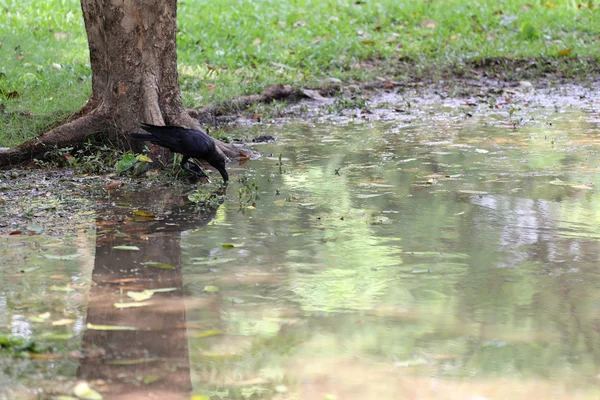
197 170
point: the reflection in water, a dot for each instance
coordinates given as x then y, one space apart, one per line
446 258
136 336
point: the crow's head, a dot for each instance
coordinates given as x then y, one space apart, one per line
218 161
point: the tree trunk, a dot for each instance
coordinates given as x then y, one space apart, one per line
134 77
134 62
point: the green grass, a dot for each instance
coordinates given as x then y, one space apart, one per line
229 48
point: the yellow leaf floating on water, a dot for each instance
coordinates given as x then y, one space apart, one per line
146 294
142 213
129 248
160 265
131 305
140 296
62 256
110 327
209 333
63 322
232 245
574 185
84 391
211 289
40 318
61 288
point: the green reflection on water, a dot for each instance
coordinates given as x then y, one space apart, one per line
439 252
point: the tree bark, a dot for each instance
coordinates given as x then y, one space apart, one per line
134 77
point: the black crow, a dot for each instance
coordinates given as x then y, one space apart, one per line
190 143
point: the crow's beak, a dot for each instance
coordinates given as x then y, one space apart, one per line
224 174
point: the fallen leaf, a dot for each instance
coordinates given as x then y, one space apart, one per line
148 293
113 184
143 158
61 288
40 318
142 213
63 256
129 248
84 391
63 322
110 327
573 185
132 305
205 334
140 296
160 265
564 52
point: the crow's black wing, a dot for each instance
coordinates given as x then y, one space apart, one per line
181 140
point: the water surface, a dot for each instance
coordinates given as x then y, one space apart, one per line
412 256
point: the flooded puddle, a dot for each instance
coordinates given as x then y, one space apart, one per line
445 256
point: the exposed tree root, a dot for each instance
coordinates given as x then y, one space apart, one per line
69 134
215 113
274 92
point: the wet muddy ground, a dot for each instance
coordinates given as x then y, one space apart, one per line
438 244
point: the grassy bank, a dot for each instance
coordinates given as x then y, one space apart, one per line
233 47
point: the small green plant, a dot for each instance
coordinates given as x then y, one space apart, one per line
133 163
221 135
204 198
529 31
247 192
280 164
